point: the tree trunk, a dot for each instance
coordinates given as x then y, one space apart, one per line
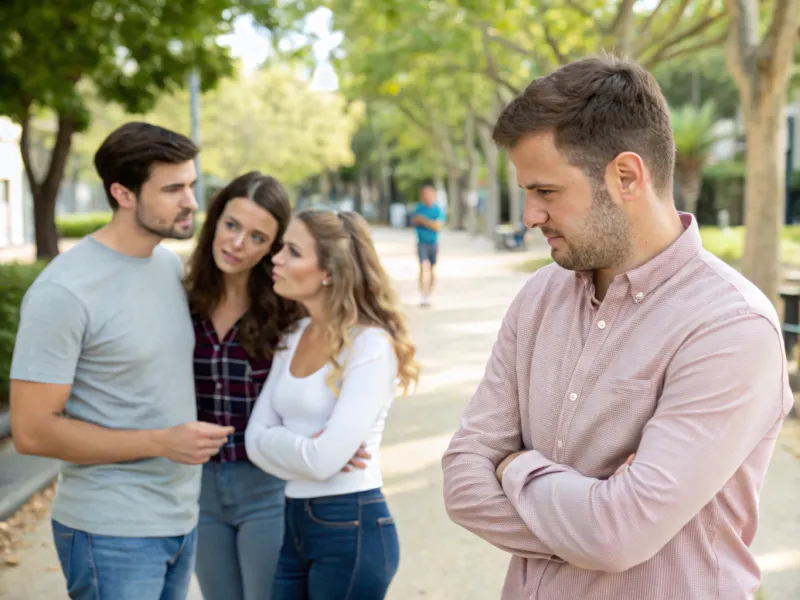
454 199
361 193
443 137
384 192
471 191
325 186
45 192
764 194
492 186
514 194
690 180
761 70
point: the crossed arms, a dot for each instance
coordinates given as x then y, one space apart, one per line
721 396
432 224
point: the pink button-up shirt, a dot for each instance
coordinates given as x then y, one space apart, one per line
683 364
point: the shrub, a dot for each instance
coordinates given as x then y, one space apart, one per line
80 225
14 282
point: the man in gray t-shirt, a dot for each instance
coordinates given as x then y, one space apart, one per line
102 379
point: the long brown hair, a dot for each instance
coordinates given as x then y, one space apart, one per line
269 315
360 292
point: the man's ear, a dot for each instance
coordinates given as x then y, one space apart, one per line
626 176
124 197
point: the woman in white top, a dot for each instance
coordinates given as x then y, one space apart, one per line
324 403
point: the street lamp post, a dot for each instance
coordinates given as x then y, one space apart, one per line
194 107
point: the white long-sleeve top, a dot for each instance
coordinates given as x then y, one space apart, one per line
290 410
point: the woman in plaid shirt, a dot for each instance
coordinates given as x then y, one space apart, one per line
238 322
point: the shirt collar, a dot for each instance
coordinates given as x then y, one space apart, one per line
647 277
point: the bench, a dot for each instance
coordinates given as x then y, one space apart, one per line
509 237
790 294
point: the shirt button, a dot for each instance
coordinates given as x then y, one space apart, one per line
573 396
639 296
560 443
216 347
601 324
219 386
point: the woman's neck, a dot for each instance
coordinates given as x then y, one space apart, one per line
234 288
319 317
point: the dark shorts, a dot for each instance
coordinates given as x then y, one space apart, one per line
427 252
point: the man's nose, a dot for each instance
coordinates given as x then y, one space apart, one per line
533 216
190 201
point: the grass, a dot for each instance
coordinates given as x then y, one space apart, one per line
729 245
534 264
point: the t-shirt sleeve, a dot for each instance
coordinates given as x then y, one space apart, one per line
175 262
50 335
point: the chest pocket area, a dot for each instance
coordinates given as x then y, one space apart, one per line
613 429
256 374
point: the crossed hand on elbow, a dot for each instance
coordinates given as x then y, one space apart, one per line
358 459
509 459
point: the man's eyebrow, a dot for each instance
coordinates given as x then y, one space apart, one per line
535 185
176 186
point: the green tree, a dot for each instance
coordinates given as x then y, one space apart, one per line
761 65
693 129
699 79
130 50
450 63
270 120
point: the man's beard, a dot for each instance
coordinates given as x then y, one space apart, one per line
604 240
161 228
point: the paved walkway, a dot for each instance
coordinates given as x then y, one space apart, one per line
439 560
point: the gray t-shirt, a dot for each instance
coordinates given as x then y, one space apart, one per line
118 329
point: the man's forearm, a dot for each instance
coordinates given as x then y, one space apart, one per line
84 443
475 501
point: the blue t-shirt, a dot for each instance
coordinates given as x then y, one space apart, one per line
433 213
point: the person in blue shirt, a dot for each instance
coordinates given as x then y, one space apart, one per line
427 219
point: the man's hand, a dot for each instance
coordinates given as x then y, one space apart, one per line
192 443
353 462
505 462
627 463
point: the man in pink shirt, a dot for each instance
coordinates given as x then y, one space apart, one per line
618 441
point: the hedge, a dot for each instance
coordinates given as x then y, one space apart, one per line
80 225
14 282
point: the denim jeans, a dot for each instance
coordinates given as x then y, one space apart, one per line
103 567
240 531
338 548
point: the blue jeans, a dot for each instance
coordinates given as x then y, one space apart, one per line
338 548
240 531
103 567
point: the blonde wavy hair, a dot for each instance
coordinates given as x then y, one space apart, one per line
360 293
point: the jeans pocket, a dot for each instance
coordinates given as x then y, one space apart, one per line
63 538
333 512
390 543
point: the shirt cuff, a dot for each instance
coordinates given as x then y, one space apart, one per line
524 469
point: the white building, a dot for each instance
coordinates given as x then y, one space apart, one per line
12 181
730 137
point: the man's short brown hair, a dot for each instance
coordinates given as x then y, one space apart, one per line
597 108
129 152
